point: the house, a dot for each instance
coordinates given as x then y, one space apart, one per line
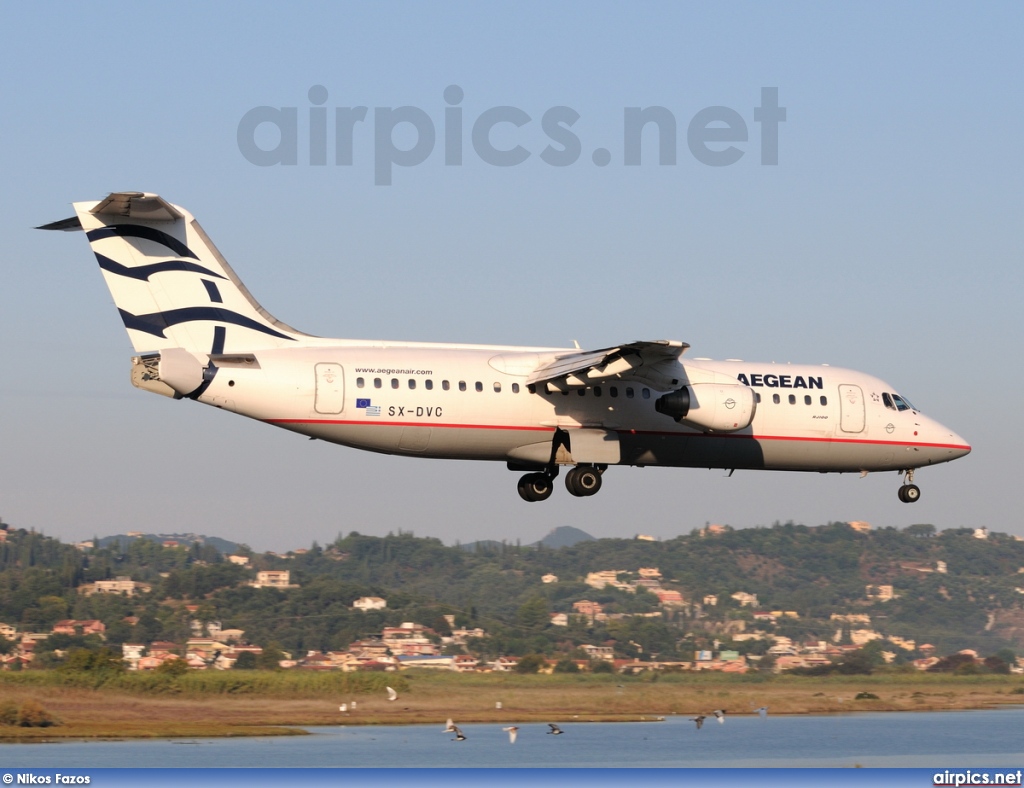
649 572
461 635
73 627
240 560
745 599
8 631
368 649
559 619
131 653
549 578
606 653
408 639
592 611
119 585
668 598
879 593
860 526
429 662
504 664
273 579
369 603
465 663
606 577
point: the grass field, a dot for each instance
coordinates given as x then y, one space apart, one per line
229 704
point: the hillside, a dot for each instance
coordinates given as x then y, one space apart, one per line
742 588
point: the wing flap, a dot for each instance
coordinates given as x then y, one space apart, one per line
655 363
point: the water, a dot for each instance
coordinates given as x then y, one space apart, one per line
919 739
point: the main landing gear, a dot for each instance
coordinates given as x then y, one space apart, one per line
909 492
581 481
537 486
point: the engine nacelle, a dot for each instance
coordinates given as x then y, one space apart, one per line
717 407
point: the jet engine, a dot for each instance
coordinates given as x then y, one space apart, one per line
715 407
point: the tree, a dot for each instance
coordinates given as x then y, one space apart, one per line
270 658
531 663
566 665
246 661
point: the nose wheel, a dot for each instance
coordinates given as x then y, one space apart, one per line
909 492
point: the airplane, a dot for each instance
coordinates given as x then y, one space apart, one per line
201 336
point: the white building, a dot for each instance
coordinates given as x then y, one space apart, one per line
370 603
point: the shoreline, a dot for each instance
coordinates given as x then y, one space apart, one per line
91 714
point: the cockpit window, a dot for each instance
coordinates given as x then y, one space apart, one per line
902 403
887 400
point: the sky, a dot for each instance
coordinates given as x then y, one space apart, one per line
885 239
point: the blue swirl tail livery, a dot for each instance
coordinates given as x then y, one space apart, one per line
172 288
200 335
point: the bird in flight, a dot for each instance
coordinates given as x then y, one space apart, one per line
459 735
343 707
449 726
555 729
719 715
392 695
512 731
763 711
699 719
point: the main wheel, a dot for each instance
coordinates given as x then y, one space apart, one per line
583 480
535 487
910 493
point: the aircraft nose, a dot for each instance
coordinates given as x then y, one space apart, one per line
956 445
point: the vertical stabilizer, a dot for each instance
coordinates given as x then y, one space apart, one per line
170 284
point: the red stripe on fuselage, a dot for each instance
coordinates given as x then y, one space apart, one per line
655 433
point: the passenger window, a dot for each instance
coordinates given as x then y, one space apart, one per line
462 385
394 383
497 388
445 385
532 388
360 383
757 398
581 392
775 398
824 400
646 393
428 384
479 386
612 391
629 392
807 399
792 399
376 383
412 383
515 388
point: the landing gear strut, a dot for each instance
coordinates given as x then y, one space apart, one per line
909 492
583 480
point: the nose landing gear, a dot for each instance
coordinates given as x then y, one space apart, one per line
909 492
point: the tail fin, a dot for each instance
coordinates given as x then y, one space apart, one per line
169 282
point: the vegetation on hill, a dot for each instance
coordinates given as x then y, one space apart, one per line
950 587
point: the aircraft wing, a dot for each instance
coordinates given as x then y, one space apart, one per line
655 363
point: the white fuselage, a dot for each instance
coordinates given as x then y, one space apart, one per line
473 403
